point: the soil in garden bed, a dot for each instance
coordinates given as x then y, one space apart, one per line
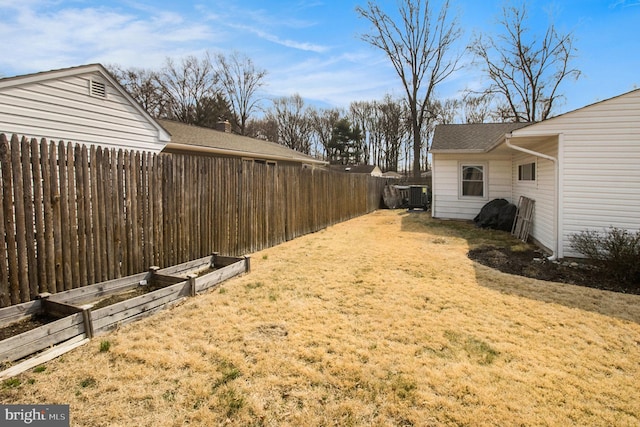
25 325
534 264
135 292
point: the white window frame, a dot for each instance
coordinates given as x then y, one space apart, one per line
485 175
534 170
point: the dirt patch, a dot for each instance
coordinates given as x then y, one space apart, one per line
534 264
25 325
114 299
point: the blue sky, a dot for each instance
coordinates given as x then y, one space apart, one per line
309 47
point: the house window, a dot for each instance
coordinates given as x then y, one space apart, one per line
527 172
472 181
98 89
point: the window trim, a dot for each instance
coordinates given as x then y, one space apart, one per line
485 180
534 171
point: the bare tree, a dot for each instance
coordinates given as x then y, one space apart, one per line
265 128
525 69
323 121
240 81
294 125
392 125
477 108
187 84
361 113
419 49
143 85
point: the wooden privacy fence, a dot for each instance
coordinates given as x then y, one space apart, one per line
73 216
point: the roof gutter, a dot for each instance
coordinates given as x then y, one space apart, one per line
237 153
507 141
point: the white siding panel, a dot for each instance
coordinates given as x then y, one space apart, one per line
63 109
108 110
601 172
542 190
446 200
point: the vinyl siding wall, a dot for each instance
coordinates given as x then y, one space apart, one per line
63 109
542 190
447 202
600 166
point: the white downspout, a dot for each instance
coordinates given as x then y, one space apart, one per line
507 141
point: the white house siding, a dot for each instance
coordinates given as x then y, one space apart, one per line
600 173
62 109
447 202
542 190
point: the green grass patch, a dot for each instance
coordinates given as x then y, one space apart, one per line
480 351
254 285
231 402
88 382
11 383
105 345
228 371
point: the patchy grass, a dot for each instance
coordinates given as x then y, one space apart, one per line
105 345
381 320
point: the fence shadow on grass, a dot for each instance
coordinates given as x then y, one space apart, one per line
611 304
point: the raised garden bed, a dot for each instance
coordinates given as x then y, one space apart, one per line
72 317
37 326
120 301
209 271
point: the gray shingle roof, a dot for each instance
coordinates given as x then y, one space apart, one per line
231 144
472 138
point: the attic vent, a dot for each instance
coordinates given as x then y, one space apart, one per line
98 89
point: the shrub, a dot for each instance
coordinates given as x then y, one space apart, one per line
615 251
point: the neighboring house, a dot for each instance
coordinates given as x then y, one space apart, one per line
581 168
392 175
205 141
366 169
82 104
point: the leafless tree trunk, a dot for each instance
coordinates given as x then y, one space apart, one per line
525 70
477 108
322 123
294 127
187 84
419 48
143 85
240 81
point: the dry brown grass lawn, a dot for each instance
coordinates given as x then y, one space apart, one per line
381 320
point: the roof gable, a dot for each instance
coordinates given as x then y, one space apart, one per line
625 106
471 138
16 81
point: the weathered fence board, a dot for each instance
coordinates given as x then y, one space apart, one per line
72 216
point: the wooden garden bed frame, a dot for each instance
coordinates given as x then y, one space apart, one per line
77 322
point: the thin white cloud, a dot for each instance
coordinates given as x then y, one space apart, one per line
44 38
624 3
305 46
